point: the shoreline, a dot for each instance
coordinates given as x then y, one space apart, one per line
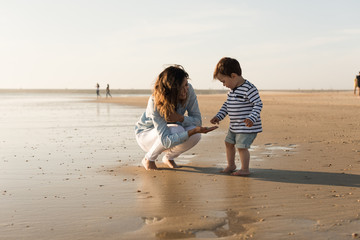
148 91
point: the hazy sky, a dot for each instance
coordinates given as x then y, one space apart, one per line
280 44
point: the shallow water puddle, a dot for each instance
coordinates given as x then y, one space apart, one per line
206 234
282 148
271 149
151 220
185 158
257 152
218 224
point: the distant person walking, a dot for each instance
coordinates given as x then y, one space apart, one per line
357 83
108 91
98 90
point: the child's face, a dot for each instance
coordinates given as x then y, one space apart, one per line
227 81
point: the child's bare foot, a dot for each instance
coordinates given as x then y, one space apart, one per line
241 172
229 169
149 165
170 163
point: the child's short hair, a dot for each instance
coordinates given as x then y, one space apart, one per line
226 66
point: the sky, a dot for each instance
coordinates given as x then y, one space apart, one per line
280 44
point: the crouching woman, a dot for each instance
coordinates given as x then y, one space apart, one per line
171 122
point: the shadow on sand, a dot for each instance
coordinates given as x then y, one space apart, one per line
285 176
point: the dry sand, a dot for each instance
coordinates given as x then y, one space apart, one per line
305 181
87 183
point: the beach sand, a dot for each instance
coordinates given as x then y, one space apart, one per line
304 185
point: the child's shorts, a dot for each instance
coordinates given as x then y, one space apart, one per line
241 140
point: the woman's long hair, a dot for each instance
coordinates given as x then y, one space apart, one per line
167 89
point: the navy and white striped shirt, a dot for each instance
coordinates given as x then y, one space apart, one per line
242 102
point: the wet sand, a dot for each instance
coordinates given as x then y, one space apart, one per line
305 181
76 182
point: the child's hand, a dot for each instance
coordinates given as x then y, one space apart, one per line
248 122
215 120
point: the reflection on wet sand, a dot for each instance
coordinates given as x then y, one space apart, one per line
174 206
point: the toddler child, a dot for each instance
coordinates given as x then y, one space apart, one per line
243 105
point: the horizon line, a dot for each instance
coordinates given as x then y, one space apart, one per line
147 90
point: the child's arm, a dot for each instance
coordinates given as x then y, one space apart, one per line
215 120
222 112
220 115
255 99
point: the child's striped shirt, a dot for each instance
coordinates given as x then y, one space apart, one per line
242 102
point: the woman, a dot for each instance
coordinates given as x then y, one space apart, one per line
163 127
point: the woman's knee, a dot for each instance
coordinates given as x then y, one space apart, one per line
195 138
174 128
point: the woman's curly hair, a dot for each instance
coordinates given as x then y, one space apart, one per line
167 90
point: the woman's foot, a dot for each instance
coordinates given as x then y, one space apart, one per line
170 163
229 169
149 165
241 172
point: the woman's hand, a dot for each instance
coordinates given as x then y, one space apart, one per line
175 117
201 130
215 120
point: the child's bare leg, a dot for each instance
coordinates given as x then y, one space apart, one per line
149 165
245 160
230 157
